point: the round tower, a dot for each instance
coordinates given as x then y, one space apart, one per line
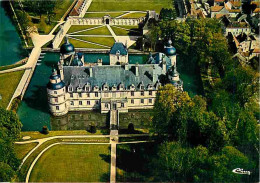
174 78
56 94
170 51
67 49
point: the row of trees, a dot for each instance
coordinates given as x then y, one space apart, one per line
204 138
10 128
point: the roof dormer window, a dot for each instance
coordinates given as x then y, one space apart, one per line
141 86
87 87
105 87
121 86
96 88
70 88
79 88
114 87
150 87
132 87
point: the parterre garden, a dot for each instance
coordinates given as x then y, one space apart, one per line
100 37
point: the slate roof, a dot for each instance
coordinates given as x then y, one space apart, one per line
118 46
112 75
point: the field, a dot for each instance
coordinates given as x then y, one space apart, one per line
22 149
97 31
102 14
11 80
134 15
75 28
73 163
127 5
123 32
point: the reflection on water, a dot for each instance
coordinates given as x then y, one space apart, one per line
34 113
10 42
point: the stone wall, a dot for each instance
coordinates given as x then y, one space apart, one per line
139 118
80 121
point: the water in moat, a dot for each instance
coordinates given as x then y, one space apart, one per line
33 111
10 42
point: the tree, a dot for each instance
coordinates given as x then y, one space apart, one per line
168 100
45 130
10 126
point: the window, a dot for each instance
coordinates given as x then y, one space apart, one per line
57 108
142 87
132 101
106 105
150 100
56 99
132 93
71 95
80 102
71 103
70 88
88 102
97 102
55 92
142 101
150 92
88 94
80 95
122 105
142 93
96 94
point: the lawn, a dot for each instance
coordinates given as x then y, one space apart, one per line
133 162
81 44
102 14
98 31
127 5
73 163
124 32
75 28
134 15
9 66
38 135
22 149
9 83
61 8
107 41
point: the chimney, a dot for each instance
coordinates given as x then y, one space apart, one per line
90 72
164 65
99 62
136 69
126 67
154 75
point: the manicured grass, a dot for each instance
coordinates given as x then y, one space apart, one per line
124 32
134 15
9 83
73 163
107 41
133 162
135 27
119 5
75 28
98 15
81 44
38 135
9 66
61 8
22 149
99 31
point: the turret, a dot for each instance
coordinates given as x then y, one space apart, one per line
170 51
56 94
67 49
174 77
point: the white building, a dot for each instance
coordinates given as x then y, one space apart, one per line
119 86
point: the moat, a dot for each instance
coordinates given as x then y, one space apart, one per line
33 111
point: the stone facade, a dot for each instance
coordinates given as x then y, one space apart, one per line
119 86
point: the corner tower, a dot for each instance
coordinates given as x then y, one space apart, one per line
170 51
56 95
